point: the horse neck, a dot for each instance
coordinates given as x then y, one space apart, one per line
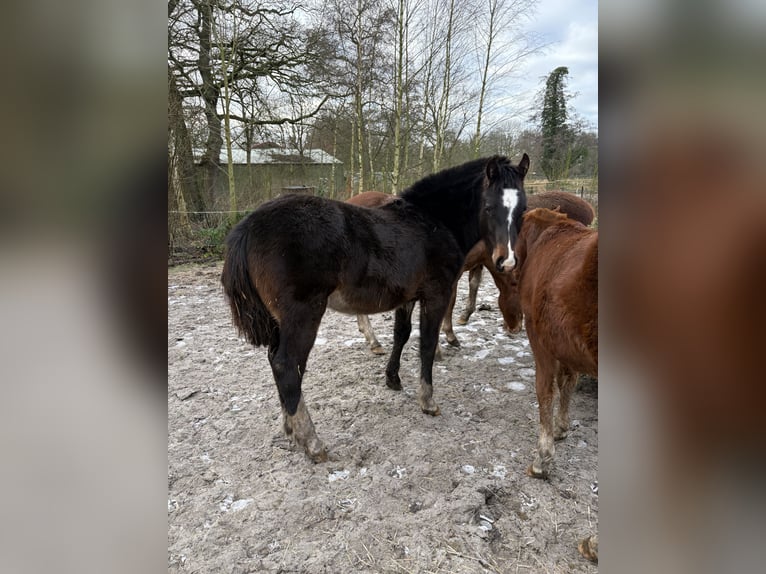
590 264
452 197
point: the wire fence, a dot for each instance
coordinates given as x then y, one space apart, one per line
586 188
195 236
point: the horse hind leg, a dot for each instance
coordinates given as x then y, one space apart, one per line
566 380
273 348
474 281
447 321
288 364
300 428
304 433
365 327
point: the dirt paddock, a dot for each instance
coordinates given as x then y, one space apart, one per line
403 491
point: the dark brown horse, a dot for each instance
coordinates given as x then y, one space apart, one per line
558 282
372 199
478 258
296 255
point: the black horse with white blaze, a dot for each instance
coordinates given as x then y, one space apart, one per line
296 255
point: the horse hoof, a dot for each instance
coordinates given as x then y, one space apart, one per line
394 384
317 454
378 350
561 435
512 331
462 320
434 410
537 473
454 342
588 547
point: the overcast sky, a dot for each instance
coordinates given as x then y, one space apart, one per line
572 28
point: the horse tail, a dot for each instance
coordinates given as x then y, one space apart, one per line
249 314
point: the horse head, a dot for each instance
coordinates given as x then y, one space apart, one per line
504 204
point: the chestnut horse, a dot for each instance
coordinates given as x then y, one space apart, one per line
557 268
296 255
508 298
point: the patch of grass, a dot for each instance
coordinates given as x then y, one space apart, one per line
205 242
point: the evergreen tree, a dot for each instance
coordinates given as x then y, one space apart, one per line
557 136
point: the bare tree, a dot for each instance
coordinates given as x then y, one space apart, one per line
181 177
443 47
403 87
440 115
180 167
502 44
362 33
227 50
396 77
260 43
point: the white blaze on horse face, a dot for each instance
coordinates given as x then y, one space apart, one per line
510 200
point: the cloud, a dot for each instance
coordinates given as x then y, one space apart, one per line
571 29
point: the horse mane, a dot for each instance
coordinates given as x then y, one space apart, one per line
544 216
438 194
447 182
538 221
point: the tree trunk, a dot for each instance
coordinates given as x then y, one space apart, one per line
398 96
358 97
225 62
484 74
211 158
183 173
443 112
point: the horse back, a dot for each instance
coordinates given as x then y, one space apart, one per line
372 260
371 199
574 207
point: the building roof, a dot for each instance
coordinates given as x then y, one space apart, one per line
274 156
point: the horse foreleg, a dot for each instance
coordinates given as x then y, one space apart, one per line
545 371
365 327
474 280
402 330
447 321
288 364
430 317
566 381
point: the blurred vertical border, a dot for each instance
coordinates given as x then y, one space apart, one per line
683 280
82 287
683 277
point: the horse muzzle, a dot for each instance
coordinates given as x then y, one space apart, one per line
504 261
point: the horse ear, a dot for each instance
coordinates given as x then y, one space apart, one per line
524 165
492 168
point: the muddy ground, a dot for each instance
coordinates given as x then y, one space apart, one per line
403 491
